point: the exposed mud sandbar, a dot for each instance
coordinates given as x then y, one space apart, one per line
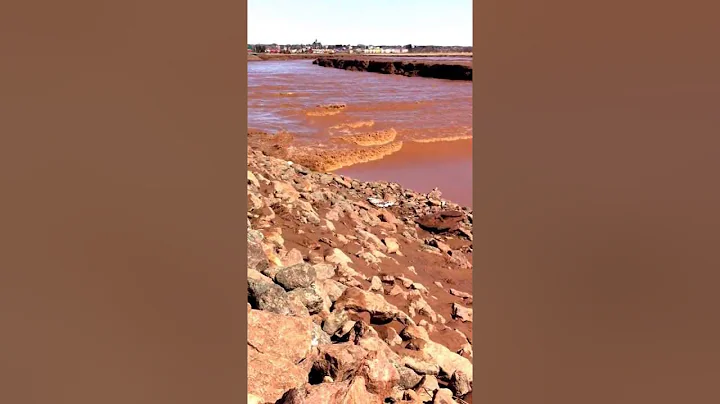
450 70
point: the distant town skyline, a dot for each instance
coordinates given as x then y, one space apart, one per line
371 22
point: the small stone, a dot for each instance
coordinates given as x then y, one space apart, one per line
414 331
324 271
408 378
338 257
392 338
285 191
416 344
252 398
405 281
396 290
293 257
376 284
252 180
440 245
419 286
388 279
329 225
427 387
335 321
462 313
444 396
392 245
412 396
458 293
460 384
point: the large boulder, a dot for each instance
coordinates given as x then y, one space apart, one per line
447 360
325 392
286 336
271 375
308 297
408 378
356 393
441 222
460 383
301 275
256 254
379 373
380 310
338 361
263 295
293 396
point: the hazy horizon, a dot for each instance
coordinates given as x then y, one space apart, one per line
373 22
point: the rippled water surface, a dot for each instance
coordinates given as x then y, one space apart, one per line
429 121
282 93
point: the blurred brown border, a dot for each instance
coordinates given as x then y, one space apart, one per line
123 206
596 202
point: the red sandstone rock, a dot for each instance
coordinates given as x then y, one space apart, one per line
286 336
441 222
271 375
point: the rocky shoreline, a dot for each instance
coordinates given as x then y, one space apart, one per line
358 292
448 70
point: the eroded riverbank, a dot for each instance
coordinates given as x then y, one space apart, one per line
448 70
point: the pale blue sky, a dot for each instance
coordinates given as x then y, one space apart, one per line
368 22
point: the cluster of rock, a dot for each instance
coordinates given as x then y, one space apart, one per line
335 314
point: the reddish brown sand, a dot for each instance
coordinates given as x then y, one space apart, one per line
422 166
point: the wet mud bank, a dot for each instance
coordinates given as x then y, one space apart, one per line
454 70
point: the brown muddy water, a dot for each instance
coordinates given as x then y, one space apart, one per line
374 127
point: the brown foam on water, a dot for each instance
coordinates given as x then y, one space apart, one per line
281 145
443 139
323 112
332 106
353 125
326 110
333 159
371 138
